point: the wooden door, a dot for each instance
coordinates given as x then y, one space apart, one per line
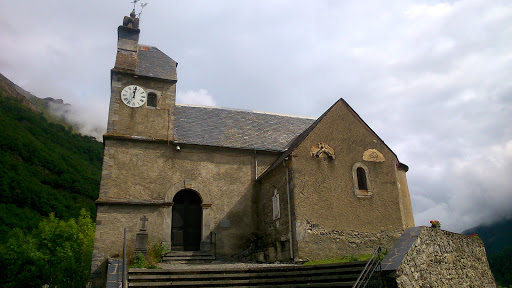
187 216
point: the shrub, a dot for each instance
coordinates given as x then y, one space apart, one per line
157 251
57 253
155 254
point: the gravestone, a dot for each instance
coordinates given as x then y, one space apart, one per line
141 239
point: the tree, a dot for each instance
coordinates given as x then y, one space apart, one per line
501 266
57 253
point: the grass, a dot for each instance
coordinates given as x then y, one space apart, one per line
363 257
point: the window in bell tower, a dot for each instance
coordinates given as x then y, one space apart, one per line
151 99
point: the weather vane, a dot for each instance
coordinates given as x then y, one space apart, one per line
142 5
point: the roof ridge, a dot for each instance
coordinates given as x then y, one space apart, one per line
295 142
244 110
292 145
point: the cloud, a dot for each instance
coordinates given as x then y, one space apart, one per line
431 11
432 78
477 189
198 97
85 120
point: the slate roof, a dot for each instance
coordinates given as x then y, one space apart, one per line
403 244
154 63
232 128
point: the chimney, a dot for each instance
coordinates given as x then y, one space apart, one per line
128 43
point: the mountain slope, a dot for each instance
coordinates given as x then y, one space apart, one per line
496 236
47 106
13 90
498 246
44 167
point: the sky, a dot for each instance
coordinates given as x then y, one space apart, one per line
432 78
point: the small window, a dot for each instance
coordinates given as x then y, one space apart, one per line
152 99
361 178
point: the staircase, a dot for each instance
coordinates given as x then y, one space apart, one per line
326 275
188 257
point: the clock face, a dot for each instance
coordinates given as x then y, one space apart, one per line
133 96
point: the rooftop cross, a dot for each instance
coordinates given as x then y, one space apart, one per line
134 3
142 5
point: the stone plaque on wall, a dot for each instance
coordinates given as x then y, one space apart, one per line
322 150
225 223
276 209
372 155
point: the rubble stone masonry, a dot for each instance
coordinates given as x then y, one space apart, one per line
439 258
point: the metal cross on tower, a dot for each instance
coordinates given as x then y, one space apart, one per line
134 3
142 5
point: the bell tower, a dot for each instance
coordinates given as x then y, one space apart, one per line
128 44
143 88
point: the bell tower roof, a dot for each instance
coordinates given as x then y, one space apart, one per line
154 63
141 60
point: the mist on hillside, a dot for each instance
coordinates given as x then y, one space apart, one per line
79 119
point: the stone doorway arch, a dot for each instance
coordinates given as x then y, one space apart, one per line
187 218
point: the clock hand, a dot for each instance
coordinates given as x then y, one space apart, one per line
134 91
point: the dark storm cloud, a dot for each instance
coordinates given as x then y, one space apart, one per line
432 78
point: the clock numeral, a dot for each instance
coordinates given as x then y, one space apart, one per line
141 101
142 96
125 99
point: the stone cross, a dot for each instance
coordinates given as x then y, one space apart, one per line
144 220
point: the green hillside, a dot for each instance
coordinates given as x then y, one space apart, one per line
496 236
498 247
44 168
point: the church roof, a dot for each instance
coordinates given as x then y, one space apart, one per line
232 128
298 140
154 63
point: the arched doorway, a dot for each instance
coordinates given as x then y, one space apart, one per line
187 216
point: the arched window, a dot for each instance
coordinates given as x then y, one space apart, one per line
151 99
361 178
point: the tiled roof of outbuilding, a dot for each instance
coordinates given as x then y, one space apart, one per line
241 129
154 63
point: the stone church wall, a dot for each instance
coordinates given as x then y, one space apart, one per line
405 197
141 178
331 218
275 232
110 223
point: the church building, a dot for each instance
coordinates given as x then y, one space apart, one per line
238 184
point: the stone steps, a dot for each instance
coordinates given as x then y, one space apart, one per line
328 275
188 257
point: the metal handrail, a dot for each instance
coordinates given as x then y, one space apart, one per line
125 271
371 269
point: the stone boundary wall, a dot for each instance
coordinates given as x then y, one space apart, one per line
319 243
437 258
